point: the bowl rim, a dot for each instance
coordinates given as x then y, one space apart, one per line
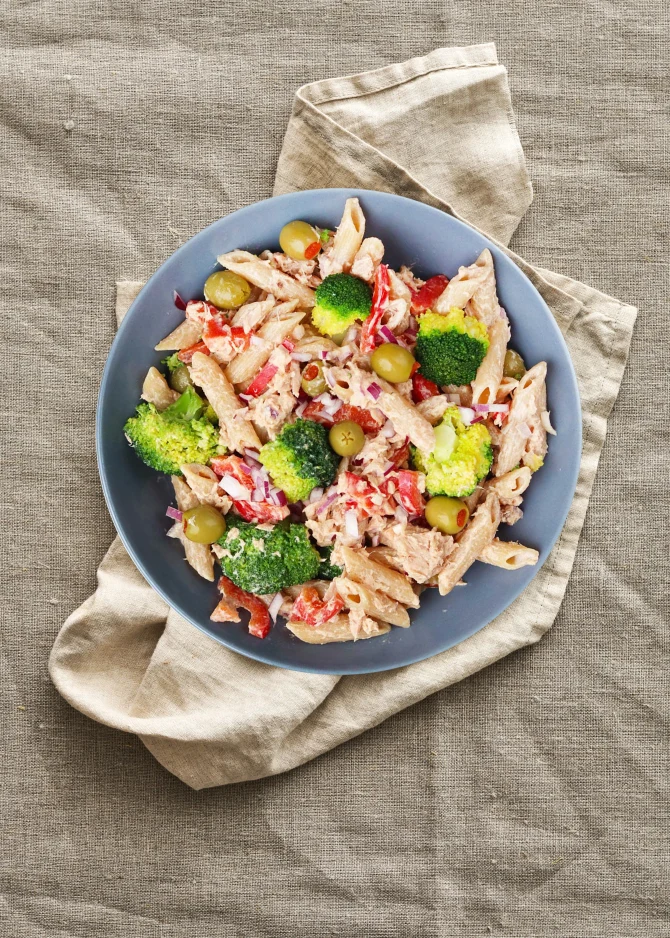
260 655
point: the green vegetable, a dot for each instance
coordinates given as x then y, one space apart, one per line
172 362
450 348
468 461
262 561
392 362
340 300
328 570
346 438
300 459
168 439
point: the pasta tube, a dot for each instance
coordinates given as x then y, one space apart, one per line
509 555
375 576
371 602
490 372
477 535
348 239
524 435
236 432
336 629
185 335
245 366
199 556
157 391
461 288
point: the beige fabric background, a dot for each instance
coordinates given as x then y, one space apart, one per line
529 800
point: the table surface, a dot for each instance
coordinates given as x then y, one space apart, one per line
528 801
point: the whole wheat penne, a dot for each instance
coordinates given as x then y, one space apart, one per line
268 278
461 288
247 364
348 239
157 391
480 531
510 487
484 302
204 483
199 556
185 335
336 629
490 372
523 423
360 568
509 555
236 432
371 602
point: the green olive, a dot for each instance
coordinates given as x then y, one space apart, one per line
449 515
513 366
313 379
346 438
392 362
203 524
180 379
299 241
226 290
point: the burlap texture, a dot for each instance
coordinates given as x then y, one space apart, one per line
527 800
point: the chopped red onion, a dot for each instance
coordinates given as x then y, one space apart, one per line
257 496
178 302
413 326
300 409
388 430
256 340
374 390
467 415
315 495
524 431
266 488
546 422
174 513
351 523
245 397
480 408
401 514
478 419
275 606
252 456
345 353
235 489
279 497
326 504
330 380
324 354
273 413
389 467
388 335
498 408
245 469
374 540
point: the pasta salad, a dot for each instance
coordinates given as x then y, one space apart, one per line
340 435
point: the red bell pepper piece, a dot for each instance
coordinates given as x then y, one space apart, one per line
261 511
314 411
424 298
422 388
262 379
408 492
400 455
312 250
186 354
380 302
259 621
232 466
366 421
311 609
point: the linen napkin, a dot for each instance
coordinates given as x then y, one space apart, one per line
439 129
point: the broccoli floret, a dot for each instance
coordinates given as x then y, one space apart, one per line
328 570
450 348
340 300
300 459
462 457
262 561
165 440
172 362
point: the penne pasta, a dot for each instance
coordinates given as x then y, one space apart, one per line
251 315
268 278
185 335
510 487
477 535
509 555
368 258
371 602
336 629
360 568
204 483
523 439
484 303
490 372
247 364
157 391
348 239
461 288
199 556
236 432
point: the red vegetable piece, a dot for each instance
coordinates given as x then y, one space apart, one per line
261 511
232 466
261 381
380 302
359 415
424 298
259 622
312 250
310 608
422 388
400 455
408 492
289 345
314 411
186 354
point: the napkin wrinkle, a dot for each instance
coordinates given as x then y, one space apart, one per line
213 717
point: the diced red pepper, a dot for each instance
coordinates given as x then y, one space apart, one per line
186 354
424 298
366 421
289 345
312 250
259 622
422 388
311 609
315 411
408 492
400 455
262 379
232 466
261 511
380 302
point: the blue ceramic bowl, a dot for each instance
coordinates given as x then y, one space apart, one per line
430 242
